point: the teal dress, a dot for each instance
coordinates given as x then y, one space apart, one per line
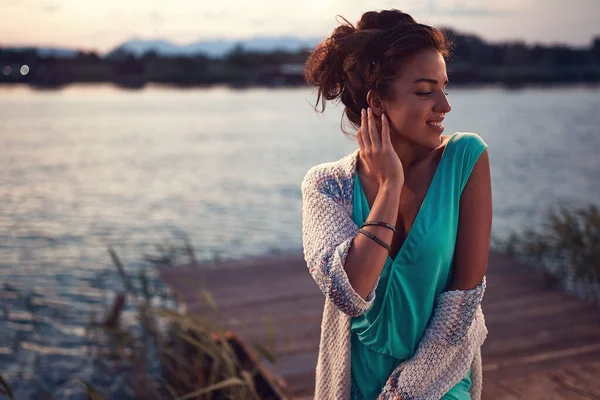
391 329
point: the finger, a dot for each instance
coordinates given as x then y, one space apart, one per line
386 138
364 129
359 139
373 131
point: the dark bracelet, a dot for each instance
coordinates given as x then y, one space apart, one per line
375 238
379 223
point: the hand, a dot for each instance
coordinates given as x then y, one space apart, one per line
376 150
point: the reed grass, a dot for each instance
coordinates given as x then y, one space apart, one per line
566 249
197 359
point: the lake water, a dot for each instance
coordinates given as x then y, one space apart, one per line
86 167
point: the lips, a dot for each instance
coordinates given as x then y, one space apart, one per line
436 126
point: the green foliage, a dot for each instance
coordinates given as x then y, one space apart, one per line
474 61
199 358
566 249
196 353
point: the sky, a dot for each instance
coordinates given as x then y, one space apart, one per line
101 25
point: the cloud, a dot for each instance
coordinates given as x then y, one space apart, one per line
462 9
218 14
32 5
51 8
155 16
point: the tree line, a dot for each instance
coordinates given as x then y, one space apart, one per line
474 61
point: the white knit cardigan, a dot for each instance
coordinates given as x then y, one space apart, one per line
453 338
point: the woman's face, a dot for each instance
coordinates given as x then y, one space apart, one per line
417 102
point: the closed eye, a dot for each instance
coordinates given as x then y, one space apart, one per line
427 94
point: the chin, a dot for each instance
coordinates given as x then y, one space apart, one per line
426 139
431 141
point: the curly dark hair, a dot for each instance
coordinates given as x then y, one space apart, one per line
355 60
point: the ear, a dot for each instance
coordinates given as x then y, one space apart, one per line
375 103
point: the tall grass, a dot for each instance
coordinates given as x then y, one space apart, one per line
197 358
566 249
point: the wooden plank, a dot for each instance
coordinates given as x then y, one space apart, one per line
524 347
526 301
497 390
541 342
301 385
575 382
538 330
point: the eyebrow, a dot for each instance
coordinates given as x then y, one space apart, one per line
428 80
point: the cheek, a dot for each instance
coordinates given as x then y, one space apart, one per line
410 113
419 110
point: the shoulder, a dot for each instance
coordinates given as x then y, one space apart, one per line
468 151
337 170
468 141
333 179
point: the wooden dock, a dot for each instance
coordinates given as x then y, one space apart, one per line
542 344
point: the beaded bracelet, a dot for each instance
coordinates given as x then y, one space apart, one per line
376 239
379 223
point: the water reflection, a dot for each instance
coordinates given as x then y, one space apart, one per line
88 167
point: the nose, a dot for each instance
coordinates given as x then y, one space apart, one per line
443 106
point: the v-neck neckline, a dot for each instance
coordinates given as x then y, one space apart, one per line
421 207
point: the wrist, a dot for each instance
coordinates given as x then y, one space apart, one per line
390 187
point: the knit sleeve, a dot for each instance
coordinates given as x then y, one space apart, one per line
327 234
449 346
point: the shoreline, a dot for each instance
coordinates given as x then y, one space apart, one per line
506 85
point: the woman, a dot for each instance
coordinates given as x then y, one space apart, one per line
402 316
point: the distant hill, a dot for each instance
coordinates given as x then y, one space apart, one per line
217 47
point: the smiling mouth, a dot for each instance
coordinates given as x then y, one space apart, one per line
436 124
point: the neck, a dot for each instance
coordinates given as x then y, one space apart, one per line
408 151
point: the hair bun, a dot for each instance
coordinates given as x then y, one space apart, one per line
352 61
384 20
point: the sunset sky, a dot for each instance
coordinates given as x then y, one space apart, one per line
101 25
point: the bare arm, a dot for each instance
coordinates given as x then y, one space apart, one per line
367 258
328 234
474 228
344 263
